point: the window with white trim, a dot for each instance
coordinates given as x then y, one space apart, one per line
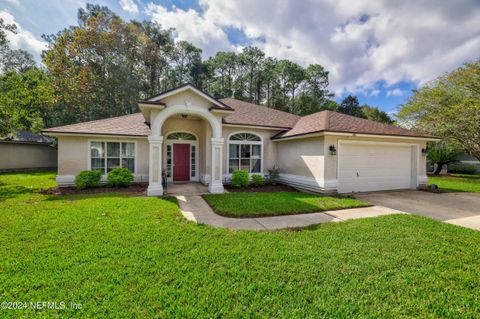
245 153
105 156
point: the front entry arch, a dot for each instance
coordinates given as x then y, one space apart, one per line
158 118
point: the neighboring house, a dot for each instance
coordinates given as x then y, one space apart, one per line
26 150
194 137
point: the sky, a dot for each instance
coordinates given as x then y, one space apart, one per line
377 50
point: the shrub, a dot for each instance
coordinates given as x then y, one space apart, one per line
257 180
273 176
240 179
120 177
460 168
88 179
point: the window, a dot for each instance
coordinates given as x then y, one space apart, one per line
182 136
105 156
169 160
245 153
192 159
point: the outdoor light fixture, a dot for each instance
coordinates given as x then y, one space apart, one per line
332 149
424 151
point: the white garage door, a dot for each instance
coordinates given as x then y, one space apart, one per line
373 167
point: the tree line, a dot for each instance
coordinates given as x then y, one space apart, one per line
102 66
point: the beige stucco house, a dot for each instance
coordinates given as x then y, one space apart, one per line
193 137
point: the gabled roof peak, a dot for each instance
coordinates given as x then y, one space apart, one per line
187 86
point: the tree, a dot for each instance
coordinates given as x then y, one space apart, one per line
449 107
223 74
16 61
100 68
440 153
351 106
251 60
375 114
184 57
26 100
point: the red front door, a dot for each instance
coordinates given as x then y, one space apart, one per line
181 162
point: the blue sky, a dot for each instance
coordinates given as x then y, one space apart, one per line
377 50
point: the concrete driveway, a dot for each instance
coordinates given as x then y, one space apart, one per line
456 208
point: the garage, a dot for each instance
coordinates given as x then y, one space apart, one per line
375 166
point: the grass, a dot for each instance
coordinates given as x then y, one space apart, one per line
276 203
137 257
457 182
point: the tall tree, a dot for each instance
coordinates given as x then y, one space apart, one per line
449 107
16 61
184 57
97 67
251 60
223 74
350 106
375 114
26 100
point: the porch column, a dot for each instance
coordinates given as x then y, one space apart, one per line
155 187
216 185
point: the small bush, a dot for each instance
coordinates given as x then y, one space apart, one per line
88 179
273 176
120 177
257 180
240 179
459 168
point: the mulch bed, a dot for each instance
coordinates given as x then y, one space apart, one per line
262 189
139 189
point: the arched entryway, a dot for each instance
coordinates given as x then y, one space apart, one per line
161 145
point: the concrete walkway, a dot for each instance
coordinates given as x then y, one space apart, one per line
195 209
472 222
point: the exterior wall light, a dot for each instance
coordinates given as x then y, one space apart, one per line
424 151
332 149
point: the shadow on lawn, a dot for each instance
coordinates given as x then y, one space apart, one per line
7 192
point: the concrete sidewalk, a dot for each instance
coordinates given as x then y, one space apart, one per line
195 209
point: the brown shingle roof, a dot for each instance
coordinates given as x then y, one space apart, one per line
133 124
329 121
257 115
251 115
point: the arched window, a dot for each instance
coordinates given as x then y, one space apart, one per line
245 153
182 136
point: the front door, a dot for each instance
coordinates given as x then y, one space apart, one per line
181 162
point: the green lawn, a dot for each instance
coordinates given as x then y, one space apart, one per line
277 203
137 257
457 182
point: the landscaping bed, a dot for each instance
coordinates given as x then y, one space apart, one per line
138 189
255 204
261 189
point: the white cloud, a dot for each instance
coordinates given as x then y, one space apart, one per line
22 39
395 92
359 42
193 27
129 6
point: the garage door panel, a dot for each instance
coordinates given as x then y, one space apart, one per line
370 167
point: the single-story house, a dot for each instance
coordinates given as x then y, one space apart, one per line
193 137
26 151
